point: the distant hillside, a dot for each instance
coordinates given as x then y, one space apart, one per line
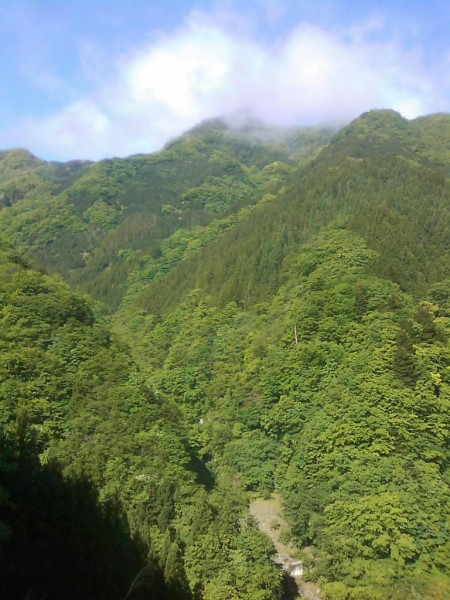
383 176
94 223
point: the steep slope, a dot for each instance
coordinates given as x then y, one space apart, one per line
371 177
292 339
98 477
96 223
308 348
336 391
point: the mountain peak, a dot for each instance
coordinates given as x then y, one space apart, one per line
18 158
375 122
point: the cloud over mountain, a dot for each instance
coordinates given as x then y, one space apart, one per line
208 67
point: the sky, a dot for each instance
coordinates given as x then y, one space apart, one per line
91 79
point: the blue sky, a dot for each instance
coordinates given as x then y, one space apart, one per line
91 79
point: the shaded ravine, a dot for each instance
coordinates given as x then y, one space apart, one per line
268 514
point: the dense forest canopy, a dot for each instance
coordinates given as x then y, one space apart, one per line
245 312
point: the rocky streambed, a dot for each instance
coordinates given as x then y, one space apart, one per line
268 514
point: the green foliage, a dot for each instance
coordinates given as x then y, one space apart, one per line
77 219
335 391
290 329
72 391
370 179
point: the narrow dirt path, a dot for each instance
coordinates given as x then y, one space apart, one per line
268 514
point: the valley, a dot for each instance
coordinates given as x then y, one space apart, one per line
251 318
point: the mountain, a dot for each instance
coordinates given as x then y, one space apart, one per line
269 311
95 223
370 176
98 478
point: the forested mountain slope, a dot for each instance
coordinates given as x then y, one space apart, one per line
96 223
286 306
98 477
373 178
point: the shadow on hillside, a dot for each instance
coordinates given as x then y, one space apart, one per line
57 541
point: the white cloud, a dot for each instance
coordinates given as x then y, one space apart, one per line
206 69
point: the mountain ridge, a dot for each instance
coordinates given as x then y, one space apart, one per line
262 318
